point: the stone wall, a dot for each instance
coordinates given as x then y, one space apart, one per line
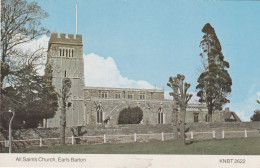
231 130
122 93
219 126
112 107
144 133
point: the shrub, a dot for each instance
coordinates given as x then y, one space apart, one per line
130 116
255 117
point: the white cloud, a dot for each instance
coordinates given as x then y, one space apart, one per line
104 72
167 95
38 47
194 99
35 44
245 109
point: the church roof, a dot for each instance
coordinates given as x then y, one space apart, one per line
231 116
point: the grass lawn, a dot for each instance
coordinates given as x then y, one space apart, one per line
246 146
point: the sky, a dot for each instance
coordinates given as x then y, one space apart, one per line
142 43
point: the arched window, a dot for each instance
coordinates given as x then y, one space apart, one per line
65 75
99 113
160 118
63 52
72 53
207 118
66 52
196 117
99 116
160 115
69 52
60 51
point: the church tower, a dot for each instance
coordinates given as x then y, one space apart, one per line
65 54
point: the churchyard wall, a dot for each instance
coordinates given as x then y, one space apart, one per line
129 133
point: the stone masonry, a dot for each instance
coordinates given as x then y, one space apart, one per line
65 54
100 105
151 101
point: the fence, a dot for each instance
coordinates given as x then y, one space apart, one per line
222 134
132 138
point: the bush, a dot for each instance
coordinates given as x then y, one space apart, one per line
255 117
130 116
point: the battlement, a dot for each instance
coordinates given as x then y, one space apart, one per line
63 39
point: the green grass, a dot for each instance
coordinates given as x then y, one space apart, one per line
248 146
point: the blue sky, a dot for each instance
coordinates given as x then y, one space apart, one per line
151 40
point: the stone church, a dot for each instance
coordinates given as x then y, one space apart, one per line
101 105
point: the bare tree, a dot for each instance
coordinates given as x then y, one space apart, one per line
65 93
181 97
20 23
175 120
77 132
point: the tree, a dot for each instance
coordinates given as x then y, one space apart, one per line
256 115
33 97
130 116
20 23
64 95
77 132
174 118
214 83
181 97
25 98
49 96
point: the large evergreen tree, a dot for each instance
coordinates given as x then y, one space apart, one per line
49 97
214 83
24 98
31 96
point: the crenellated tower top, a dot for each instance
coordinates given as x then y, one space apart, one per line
63 39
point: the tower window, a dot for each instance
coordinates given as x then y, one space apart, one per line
60 51
69 52
63 52
72 53
66 52
65 74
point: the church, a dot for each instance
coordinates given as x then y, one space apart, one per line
102 105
